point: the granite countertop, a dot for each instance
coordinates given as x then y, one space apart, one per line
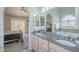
51 37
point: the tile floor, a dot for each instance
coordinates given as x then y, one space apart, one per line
15 47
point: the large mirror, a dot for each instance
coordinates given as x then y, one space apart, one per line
36 21
49 22
41 20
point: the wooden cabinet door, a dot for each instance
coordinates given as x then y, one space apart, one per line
56 48
35 43
51 48
43 45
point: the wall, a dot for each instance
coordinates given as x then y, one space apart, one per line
7 22
54 13
77 16
58 13
75 12
55 17
35 11
64 11
1 28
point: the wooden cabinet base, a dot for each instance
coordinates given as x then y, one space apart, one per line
35 43
56 48
43 45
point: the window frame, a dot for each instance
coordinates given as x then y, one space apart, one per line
68 20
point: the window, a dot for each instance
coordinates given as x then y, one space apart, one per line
36 21
17 25
14 25
68 21
41 20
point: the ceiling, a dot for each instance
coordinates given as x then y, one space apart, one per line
16 11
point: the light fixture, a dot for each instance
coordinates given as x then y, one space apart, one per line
23 9
34 15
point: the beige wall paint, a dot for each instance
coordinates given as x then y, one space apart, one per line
7 22
22 20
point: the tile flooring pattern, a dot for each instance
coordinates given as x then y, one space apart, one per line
18 46
15 47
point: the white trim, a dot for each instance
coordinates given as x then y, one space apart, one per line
2 28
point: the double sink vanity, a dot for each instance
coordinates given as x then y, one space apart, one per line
55 42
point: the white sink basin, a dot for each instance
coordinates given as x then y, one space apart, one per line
40 34
66 43
77 41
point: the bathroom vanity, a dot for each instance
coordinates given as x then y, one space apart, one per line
40 43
